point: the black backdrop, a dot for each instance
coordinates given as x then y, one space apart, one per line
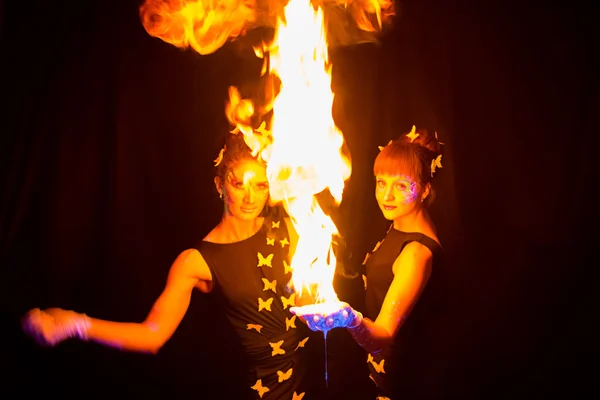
108 137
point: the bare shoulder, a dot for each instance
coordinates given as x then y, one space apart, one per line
416 250
413 255
190 263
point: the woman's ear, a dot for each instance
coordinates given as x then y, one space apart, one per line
426 192
219 185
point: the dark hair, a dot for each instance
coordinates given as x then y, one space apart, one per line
234 150
412 158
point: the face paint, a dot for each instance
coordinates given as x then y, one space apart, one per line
396 195
408 191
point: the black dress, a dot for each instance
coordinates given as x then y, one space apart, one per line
250 278
401 370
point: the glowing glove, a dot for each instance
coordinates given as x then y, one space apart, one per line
324 317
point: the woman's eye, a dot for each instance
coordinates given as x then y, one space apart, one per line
263 186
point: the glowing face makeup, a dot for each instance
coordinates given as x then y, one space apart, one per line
246 190
396 195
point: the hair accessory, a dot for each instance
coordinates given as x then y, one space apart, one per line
381 147
413 134
436 163
220 156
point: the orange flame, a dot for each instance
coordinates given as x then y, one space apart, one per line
306 155
206 25
296 133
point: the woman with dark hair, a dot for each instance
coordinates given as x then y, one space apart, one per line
244 259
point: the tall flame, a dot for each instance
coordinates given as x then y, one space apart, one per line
306 155
299 138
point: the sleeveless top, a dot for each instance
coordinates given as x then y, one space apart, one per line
249 280
399 370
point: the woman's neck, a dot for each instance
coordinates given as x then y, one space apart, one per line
233 230
414 222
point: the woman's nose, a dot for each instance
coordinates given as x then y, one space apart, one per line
388 195
250 196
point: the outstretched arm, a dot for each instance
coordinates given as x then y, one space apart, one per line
188 271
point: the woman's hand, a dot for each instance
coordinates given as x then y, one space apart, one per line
51 326
320 317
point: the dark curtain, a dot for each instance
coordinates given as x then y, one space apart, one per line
108 137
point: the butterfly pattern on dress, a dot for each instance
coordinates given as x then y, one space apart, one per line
256 327
379 369
371 252
271 294
265 261
302 343
276 348
264 304
288 301
377 245
284 376
258 386
290 322
377 366
270 285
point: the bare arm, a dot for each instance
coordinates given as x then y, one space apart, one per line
411 270
189 270
167 312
